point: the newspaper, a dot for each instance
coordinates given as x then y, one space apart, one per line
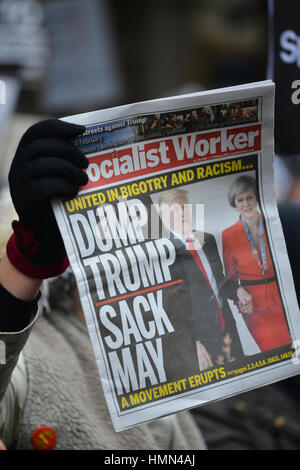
178 251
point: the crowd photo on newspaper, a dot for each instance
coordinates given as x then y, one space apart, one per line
149 296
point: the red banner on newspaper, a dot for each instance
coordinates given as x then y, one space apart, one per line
156 156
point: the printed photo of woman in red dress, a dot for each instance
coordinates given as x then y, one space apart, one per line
247 259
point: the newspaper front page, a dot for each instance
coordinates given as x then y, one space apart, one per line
178 251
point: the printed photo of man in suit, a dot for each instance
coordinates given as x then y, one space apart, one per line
200 306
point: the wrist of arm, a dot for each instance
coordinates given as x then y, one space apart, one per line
16 283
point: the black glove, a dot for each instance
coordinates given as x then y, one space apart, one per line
47 165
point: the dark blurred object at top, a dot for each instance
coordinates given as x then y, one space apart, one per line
212 42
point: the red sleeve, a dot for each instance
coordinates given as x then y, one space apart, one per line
229 260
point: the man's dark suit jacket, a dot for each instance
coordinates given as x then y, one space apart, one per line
193 311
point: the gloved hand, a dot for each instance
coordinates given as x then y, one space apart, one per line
46 165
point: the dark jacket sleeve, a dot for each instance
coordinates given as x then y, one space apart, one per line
16 318
227 287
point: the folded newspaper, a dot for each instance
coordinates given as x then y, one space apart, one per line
178 251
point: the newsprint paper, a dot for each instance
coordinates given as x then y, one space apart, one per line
178 251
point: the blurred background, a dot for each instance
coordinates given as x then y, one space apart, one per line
63 57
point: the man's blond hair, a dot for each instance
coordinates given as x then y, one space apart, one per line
170 194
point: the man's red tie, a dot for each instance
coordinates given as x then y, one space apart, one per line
195 255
